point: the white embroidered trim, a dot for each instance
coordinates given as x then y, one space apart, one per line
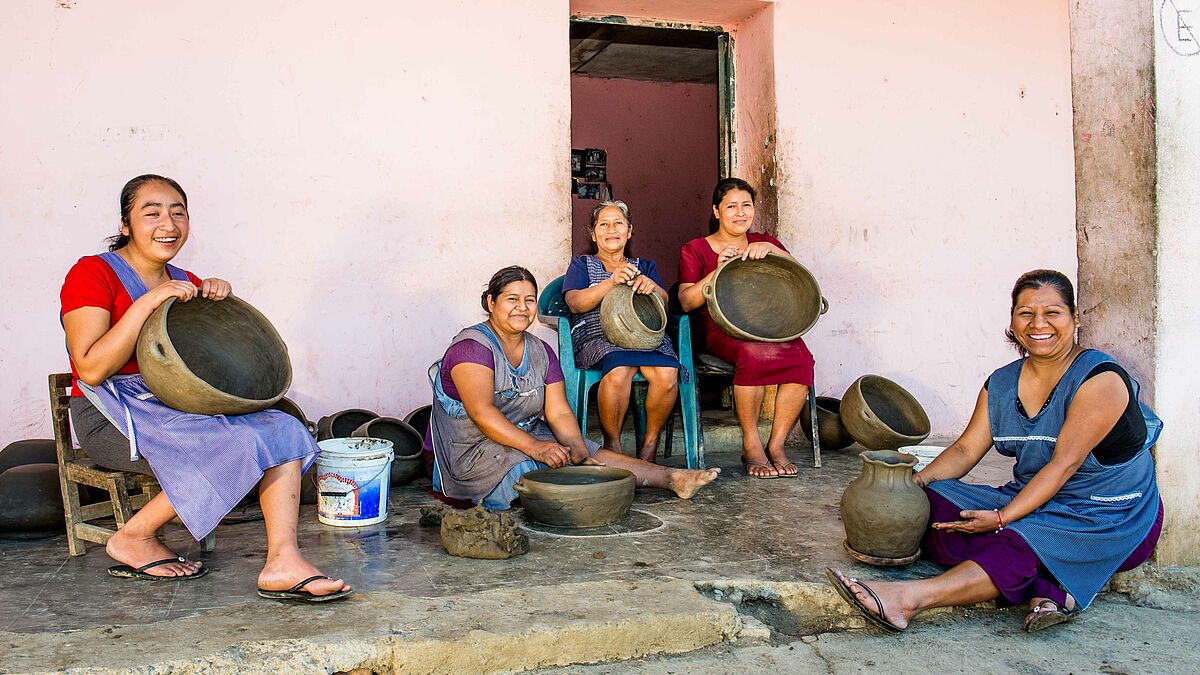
1051 439
1117 498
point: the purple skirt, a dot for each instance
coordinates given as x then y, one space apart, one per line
1005 557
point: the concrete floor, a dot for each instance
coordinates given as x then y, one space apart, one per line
771 530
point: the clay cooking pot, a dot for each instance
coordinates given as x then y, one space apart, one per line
407 462
289 406
881 415
342 424
633 320
577 496
213 358
883 511
775 299
419 419
832 432
31 505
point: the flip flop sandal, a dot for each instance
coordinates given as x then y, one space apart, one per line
298 593
127 572
746 468
780 466
843 589
1043 616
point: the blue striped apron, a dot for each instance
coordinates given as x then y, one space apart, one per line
205 464
587 336
1100 515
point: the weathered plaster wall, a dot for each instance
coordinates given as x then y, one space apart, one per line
925 162
754 108
1113 92
357 171
662 159
1177 331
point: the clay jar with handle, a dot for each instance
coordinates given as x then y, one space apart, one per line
633 320
884 511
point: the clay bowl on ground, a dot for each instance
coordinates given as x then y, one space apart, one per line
633 320
213 358
832 432
342 423
881 415
407 463
31 504
419 419
289 406
577 496
775 299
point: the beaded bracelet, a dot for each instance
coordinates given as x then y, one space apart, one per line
999 520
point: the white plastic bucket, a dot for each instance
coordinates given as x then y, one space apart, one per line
924 454
353 476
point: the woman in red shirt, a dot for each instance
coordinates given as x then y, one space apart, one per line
205 464
756 364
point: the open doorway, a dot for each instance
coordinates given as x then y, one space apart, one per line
655 101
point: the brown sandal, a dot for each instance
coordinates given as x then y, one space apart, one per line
746 468
1048 613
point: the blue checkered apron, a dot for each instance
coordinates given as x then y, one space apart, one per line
1102 513
205 464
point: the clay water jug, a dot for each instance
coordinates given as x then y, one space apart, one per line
883 511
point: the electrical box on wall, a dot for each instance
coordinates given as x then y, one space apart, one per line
589 174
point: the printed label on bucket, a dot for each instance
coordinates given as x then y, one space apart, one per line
340 497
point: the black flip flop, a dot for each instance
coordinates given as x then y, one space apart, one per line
843 590
127 572
298 594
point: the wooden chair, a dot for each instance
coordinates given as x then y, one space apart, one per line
127 491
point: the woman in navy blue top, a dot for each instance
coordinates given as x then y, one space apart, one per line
588 279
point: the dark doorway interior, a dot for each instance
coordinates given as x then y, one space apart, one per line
649 97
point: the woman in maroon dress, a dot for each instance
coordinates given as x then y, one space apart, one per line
756 364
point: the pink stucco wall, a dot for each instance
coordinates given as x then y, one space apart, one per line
662 159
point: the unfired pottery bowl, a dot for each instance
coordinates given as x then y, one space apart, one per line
577 496
775 299
632 320
342 423
882 415
407 463
830 429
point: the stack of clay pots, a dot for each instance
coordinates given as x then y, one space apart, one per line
31 503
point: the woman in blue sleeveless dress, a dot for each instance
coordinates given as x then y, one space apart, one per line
500 408
205 464
588 279
1083 503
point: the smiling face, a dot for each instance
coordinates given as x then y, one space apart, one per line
735 213
611 231
1042 323
513 309
158 223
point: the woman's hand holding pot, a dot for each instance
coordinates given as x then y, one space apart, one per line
549 453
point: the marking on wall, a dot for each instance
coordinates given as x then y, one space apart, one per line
1180 23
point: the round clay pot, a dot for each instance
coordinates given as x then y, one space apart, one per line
33 451
775 299
342 424
832 433
213 358
407 462
633 320
31 502
881 415
577 496
289 406
883 510
419 419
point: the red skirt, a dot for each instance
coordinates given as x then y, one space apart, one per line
761 363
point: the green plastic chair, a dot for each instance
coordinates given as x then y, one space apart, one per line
553 311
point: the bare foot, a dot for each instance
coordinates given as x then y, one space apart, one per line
756 463
685 482
135 551
288 569
890 596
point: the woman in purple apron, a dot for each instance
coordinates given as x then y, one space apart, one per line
205 463
1083 503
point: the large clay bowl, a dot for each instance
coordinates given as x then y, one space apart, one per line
408 462
32 451
633 320
289 406
419 419
577 496
881 415
830 430
342 423
775 299
213 358
31 502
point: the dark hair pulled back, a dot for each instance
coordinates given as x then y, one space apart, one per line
129 196
1035 279
504 277
724 187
